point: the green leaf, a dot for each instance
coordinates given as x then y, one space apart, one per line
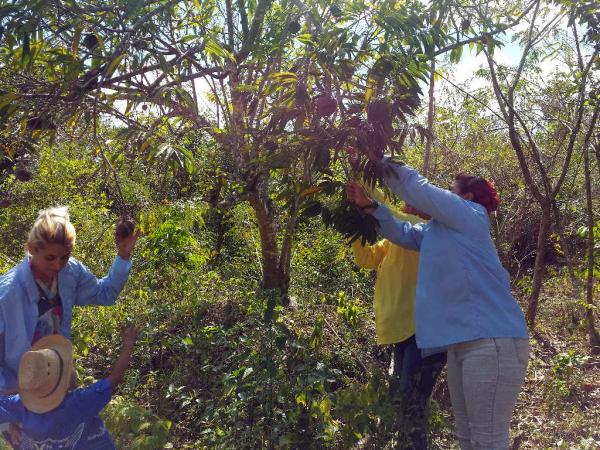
307 39
214 49
76 39
26 50
284 78
7 98
114 64
164 150
184 97
164 65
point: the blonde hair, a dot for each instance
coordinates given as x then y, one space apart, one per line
52 226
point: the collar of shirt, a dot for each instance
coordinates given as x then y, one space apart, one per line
25 278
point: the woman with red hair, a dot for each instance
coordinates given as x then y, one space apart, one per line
463 297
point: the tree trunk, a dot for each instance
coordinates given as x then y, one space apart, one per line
273 277
285 259
539 267
597 151
566 249
589 310
430 116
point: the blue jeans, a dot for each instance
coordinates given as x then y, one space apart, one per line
413 379
484 380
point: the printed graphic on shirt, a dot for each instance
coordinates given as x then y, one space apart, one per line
28 443
50 312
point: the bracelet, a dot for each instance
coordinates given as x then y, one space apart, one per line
374 204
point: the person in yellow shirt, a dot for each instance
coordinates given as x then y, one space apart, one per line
413 376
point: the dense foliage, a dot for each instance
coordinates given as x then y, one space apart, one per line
227 130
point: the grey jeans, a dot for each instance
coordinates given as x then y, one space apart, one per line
484 380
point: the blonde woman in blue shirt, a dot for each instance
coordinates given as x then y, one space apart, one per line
38 295
463 298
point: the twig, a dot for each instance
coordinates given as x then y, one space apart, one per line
122 206
335 333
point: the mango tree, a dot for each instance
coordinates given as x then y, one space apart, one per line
286 92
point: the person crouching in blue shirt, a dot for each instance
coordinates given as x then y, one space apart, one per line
51 416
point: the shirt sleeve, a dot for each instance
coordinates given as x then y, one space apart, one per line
2 353
441 204
89 401
369 256
377 194
11 409
92 291
397 231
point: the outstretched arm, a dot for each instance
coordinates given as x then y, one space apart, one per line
89 401
441 204
394 230
129 335
91 290
397 231
104 291
369 256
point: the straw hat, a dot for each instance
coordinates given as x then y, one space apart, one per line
45 373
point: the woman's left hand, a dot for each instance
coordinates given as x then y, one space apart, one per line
125 237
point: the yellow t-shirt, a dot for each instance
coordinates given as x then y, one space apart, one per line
395 286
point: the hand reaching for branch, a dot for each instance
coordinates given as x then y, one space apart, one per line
129 334
357 195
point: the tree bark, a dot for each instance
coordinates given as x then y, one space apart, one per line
566 249
538 270
430 116
285 259
273 277
589 310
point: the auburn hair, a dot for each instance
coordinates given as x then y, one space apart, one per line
483 191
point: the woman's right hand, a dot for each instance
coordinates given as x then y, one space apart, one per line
357 195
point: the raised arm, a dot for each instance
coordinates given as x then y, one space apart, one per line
128 337
94 291
441 204
398 231
89 401
369 256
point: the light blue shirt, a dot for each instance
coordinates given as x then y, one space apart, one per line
19 310
463 292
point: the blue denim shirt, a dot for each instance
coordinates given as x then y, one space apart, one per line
463 292
19 312
74 424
